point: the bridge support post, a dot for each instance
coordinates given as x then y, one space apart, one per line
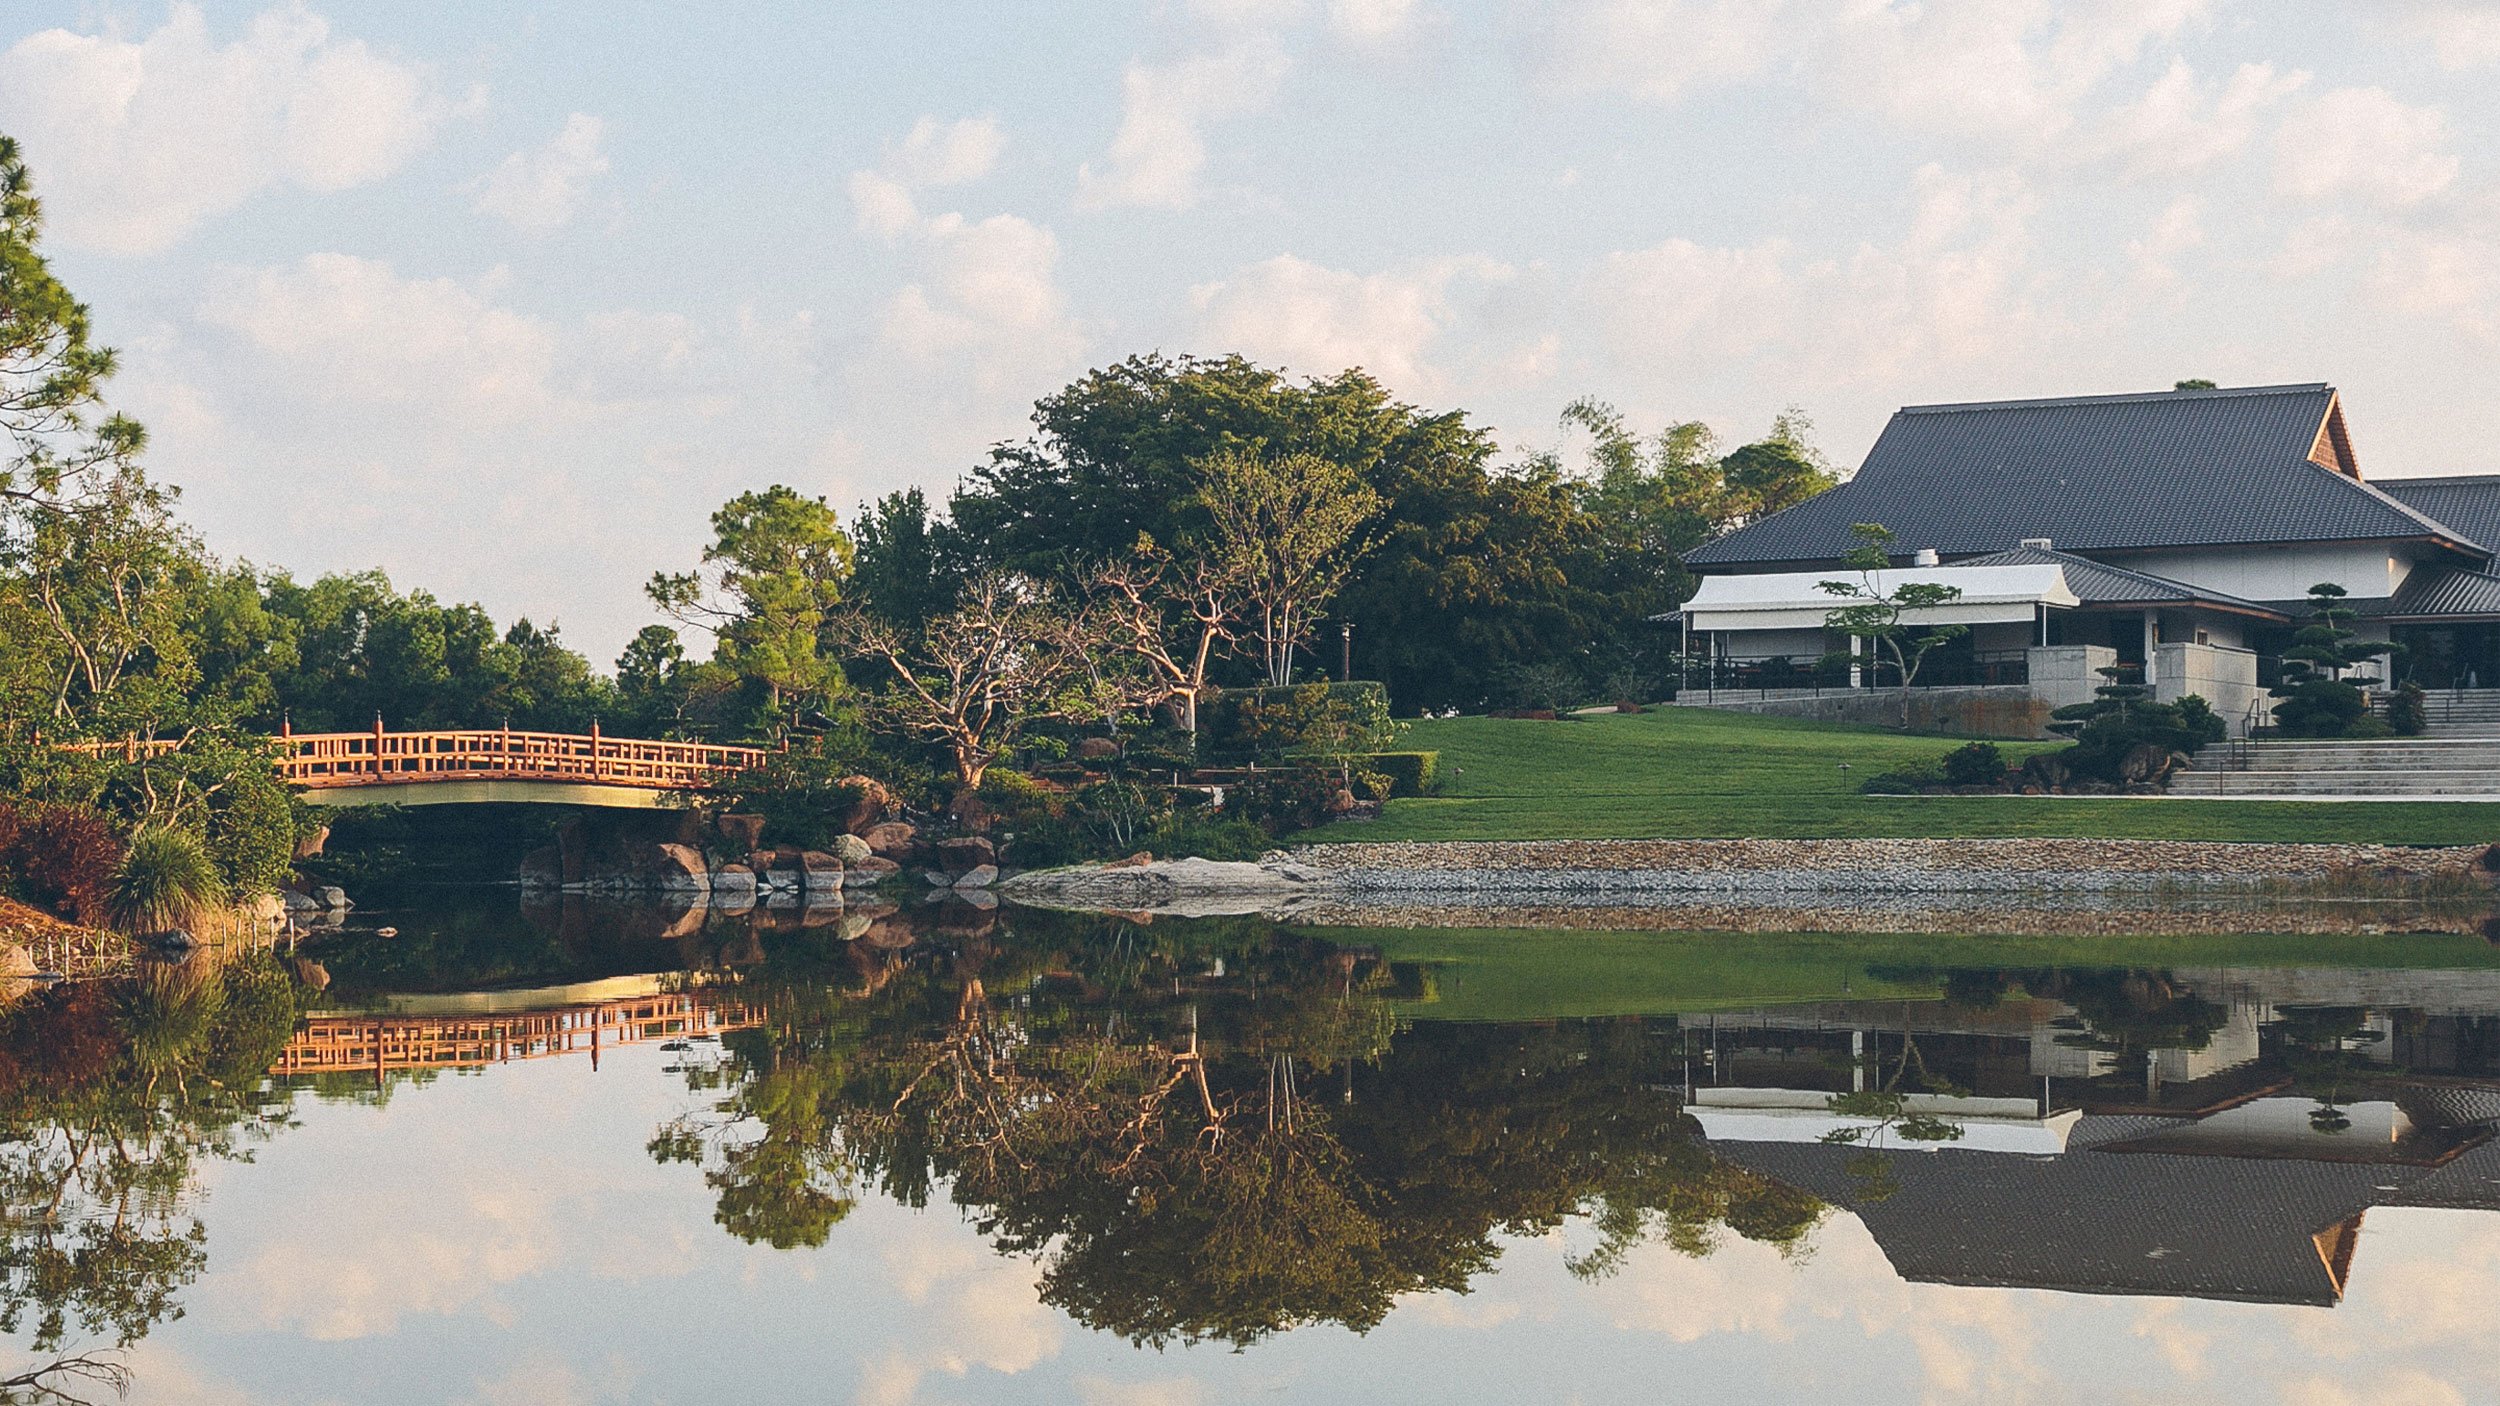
377 744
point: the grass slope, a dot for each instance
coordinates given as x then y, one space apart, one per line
1679 773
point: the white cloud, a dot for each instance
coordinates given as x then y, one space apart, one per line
1160 150
350 330
1984 69
951 154
2462 33
1318 320
2365 144
2182 125
135 142
1660 50
990 302
1371 21
536 192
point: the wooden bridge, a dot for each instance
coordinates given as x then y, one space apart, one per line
485 764
380 1044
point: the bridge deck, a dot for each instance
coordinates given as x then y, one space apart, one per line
486 764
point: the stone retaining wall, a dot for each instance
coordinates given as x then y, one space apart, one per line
1873 865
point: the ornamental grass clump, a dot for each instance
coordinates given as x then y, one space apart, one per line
165 880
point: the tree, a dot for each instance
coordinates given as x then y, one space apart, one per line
1883 615
2313 697
1005 657
774 574
898 570
1170 617
64 446
1285 529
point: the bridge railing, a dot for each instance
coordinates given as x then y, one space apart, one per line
324 759
320 760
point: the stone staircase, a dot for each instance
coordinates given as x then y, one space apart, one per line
2458 755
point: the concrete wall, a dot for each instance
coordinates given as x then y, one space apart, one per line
2225 678
2065 674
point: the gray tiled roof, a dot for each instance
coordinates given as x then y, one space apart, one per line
2096 1222
2097 584
2468 503
2431 594
2170 469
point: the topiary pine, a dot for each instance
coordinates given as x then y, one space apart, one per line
2313 698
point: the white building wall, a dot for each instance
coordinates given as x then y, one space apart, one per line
2365 571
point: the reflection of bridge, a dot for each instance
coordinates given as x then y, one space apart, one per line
487 764
379 1044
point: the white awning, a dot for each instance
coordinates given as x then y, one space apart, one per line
1800 1115
1796 600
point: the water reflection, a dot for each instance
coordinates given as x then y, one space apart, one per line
1222 1131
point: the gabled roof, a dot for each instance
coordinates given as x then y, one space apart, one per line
2470 503
2436 595
2098 473
2095 583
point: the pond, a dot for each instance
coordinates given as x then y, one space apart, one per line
573 1153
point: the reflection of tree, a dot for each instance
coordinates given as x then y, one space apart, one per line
109 1094
1203 1132
2320 1050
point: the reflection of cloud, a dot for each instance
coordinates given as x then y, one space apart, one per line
549 1381
1162 1391
990 1307
359 1280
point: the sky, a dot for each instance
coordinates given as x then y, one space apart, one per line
504 298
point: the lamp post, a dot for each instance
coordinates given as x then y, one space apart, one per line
1345 652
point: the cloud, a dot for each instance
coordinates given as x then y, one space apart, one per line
136 142
536 192
351 331
1371 21
1983 69
1320 320
952 154
2181 125
1160 150
2462 33
2364 144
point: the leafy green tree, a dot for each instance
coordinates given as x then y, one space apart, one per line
899 568
1882 616
1286 529
770 582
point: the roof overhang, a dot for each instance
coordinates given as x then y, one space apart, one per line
1796 600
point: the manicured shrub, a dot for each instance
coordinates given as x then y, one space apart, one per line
1978 764
1266 725
1409 773
165 879
2408 711
1297 798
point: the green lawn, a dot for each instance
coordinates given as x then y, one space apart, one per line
1695 773
1514 975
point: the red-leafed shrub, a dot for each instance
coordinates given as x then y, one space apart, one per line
59 858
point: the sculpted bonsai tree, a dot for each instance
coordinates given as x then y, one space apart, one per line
1886 607
2316 697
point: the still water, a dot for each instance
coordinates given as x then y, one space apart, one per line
582 1155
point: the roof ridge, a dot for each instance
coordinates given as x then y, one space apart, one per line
2418 479
2128 398
2190 592
2399 504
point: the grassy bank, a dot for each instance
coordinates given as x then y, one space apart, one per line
1515 974
1689 773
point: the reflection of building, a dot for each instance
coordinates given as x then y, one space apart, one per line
2101 1220
2164 1150
444 1032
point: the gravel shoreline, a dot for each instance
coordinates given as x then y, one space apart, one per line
1995 866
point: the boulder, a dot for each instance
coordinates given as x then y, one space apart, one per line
734 882
299 902
677 869
16 960
874 801
892 840
2145 761
819 870
268 910
740 832
1138 860
870 870
312 974
980 877
981 899
543 868
2046 771
965 853
851 849
332 896
172 940
310 846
